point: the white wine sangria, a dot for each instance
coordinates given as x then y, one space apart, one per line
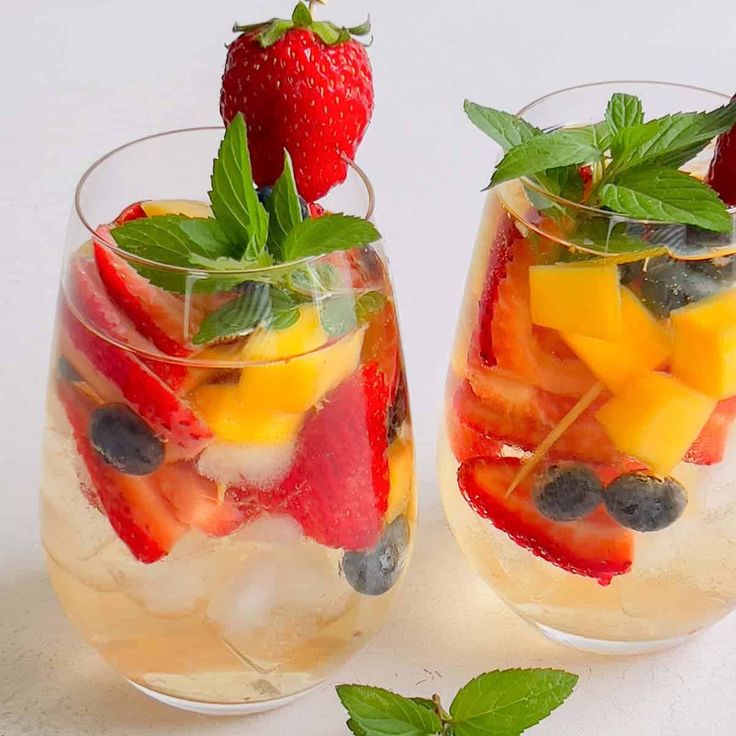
586 458
228 501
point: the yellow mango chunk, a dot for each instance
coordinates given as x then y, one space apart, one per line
234 421
704 351
186 207
643 345
292 385
582 298
656 418
401 476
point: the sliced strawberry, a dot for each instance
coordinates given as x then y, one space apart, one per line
594 546
468 439
196 501
111 366
142 519
315 209
157 314
133 212
90 298
522 415
535 355
338 486
382 345
722 173
710 447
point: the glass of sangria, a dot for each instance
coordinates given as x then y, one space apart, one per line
586 457
228 498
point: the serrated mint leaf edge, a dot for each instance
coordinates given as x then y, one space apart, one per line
320 236
622 111
283 207
504 128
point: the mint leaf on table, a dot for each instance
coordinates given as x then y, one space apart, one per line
283 208
623 111
666 195
506 129
508 702
377 712
552 150
234 200
322 235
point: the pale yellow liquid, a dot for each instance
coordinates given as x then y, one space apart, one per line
258 615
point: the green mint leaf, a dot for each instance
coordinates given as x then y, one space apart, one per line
623 111
508 702
342 314
275 31
321 235
283 208
234 201
552 150
671 140
425 703
666 195
503 127
601 134
377 712
237 318
314 279
564 181
600 236
355 729
284 309
369 304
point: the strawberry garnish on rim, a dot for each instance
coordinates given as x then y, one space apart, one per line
595 546
304 86
722 173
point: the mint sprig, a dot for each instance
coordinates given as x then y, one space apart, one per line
634 163
499 703
284 209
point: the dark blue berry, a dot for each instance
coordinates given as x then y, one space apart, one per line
66 371
124 440
644 503
567 492
376 571
265 192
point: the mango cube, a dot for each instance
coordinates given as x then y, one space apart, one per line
292 370
401 476
233 421
704 353
643 345
581 298
656 418
186 207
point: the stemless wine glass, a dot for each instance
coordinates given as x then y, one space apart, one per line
528 406
225 524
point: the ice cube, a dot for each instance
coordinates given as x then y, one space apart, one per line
233 464
271 530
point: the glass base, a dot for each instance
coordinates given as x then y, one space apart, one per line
221 709
607 647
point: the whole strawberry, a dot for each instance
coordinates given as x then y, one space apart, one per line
722 174
304 86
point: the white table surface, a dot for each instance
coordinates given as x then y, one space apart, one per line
78 77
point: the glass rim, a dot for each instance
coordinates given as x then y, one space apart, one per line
597 211
202 272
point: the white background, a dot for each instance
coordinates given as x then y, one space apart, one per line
78 77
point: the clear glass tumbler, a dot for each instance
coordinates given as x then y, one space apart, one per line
255 536
526 403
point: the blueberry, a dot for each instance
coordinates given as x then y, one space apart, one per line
375 572
667 284
66 371
567 492
124 440
399 410
644 503
265 192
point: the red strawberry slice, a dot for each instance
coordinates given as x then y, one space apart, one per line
90 298
338 486
157 314
710 447
382 346
196 502
594 546
316 209
142 519
467 436
122 374
133 212
515 413
535 355
722 173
